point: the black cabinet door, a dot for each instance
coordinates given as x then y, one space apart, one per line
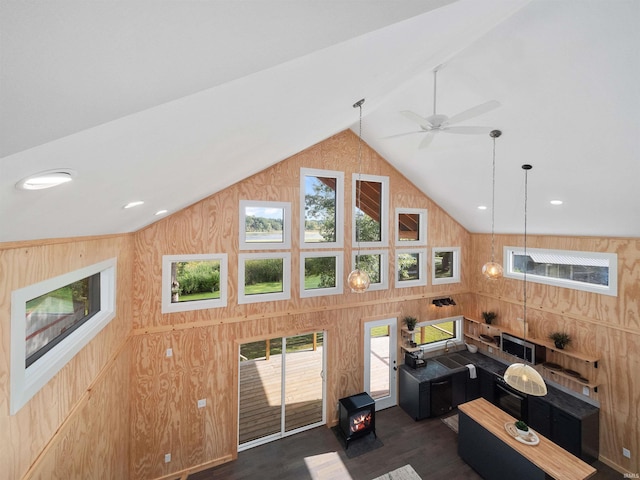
459 388
486 385
441 396
540 416
566 431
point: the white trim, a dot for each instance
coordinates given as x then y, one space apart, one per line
26 382
384 267
422 227
431 347
169 307
339 207
285 244
265 297
455 277
384 210
565 255
422 264
339 273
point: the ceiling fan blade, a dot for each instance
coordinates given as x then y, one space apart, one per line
414 117
474 112
404 134
468 130
426 141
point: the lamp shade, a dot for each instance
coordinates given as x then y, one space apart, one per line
492 270
359 281
525 379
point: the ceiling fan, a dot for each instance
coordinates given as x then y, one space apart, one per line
437 122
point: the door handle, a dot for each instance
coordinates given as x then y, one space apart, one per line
395 368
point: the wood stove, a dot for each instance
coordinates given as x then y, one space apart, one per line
357 416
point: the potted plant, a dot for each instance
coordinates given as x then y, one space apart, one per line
522 428
560 339
410 322
489 317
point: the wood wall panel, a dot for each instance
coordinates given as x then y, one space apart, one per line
210 369
56 419
604 326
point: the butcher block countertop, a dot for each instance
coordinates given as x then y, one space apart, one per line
549 457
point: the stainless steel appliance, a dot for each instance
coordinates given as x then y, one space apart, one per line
510 400
528 351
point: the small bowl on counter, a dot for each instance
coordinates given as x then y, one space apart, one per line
472 348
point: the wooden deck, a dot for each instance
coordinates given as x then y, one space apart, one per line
261 392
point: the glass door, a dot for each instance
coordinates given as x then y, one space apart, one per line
380 363
281 388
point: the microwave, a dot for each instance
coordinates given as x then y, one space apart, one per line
520 348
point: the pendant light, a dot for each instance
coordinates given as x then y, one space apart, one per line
358 280
493 270
521 376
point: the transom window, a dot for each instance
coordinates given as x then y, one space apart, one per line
411 226
322 193
590 271
321 273
371 209
265 225
445 265
264 277
410 267
376 264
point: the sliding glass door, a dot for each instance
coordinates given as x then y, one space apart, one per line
282 388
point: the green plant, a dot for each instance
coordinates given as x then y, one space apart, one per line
410 322
560 339
520 425
489 317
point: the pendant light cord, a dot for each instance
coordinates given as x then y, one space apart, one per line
526 169
359 197
493 202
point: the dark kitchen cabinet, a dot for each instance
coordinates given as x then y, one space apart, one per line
414 395
422 396
578 435
486 384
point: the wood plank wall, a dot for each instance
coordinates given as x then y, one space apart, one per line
600 325
77 426
205 343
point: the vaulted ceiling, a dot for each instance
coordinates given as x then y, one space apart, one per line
155 101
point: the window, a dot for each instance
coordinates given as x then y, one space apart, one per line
52 320
193 282
265 225
321 273
264 277
321 203
589 271
371 194
433 334
445 265
411 226
376 264
410 268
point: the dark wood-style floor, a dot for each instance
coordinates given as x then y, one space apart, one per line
429 446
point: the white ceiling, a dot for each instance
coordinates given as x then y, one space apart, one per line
154 100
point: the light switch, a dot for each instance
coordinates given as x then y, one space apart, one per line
202 403
169 352
167 457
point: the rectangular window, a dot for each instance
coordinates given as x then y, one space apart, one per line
411 226
53 320
321 273
321 201
589 271
433 335
371 210
193 282
376 264
265 225
410 268
445 265
264 277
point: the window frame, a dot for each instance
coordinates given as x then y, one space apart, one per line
339 176
455 278
168 260
264 297
27 381
384 210
384 267
431 347
422 227
611 290
319 292
286 225
421 281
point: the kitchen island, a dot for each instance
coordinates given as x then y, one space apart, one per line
485 444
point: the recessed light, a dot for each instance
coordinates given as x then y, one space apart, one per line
133 204
482 207
161 212
556 202
47 179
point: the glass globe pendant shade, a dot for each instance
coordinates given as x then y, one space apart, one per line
525 379
492 270
359 281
